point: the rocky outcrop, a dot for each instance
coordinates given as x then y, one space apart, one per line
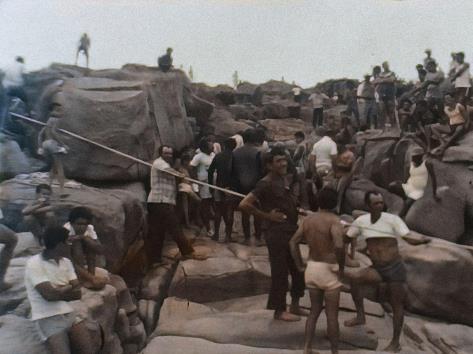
284 129
222 124
119 217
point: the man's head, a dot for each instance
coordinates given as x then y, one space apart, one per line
321 131
249 136
385 66
43 192
166 153
431 66
428 52
54 240
20 59
276 161
260 136
205 146
299 136
229 144
376 70
169 51
327 199
80 218
460 57
449 101
406 104
419 67
374 201
367 77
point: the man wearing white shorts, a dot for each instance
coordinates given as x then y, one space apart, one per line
323 233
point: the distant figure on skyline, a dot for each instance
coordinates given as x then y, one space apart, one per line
165 61
84 45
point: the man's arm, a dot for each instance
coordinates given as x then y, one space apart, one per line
248 204
337 233
415 240
461 71
298 153
294 247
211 171
68 292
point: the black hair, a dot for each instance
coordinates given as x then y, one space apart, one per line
53 236
259 135
20 59
249 136
275 151
327 198
161 148
229 144
299 135
204 145
42 186
460 54
80 212
368 195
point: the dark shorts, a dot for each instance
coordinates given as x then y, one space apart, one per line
393 272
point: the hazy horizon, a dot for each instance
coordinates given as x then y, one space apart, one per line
302 41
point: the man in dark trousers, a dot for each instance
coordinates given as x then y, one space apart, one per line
222 166
162 215
247 171
272 201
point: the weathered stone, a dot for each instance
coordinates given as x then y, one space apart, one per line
222 124
12 160
284 129
462 151
118 215
18 335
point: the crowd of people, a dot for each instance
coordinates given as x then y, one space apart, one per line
271 185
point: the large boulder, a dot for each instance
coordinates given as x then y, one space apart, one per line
462 151
284 129
439 280
12 160
222 124
119 217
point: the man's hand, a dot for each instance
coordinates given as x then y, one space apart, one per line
276 216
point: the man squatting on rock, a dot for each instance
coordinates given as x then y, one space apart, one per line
381 231
272 201
323 233
51 282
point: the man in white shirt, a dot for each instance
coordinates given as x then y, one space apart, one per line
317 100
366 102
51 283
9 240
381 231
461 78
13 81
323 154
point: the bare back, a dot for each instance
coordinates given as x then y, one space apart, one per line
323 233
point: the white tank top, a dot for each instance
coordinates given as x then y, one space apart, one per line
415 185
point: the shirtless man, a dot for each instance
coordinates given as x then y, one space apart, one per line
84 45
381 231
323 233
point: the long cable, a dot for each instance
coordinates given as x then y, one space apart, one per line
225 190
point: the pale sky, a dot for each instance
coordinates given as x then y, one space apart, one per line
305 41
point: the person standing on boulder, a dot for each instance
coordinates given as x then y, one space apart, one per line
317 99
9 240
461 78
386 89
83 47
381 231
323 233
272 201
162 214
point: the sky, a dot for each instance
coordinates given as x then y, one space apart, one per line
303 41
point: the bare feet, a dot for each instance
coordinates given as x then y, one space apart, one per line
355 322
286 316
298 311
393 347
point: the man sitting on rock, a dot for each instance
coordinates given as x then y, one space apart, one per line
50 283
39 214
381 231
9 240
165 61
272 201
323 233
85 247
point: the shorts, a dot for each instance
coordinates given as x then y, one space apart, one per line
50 326
321 275
323 170
51 146
393 272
